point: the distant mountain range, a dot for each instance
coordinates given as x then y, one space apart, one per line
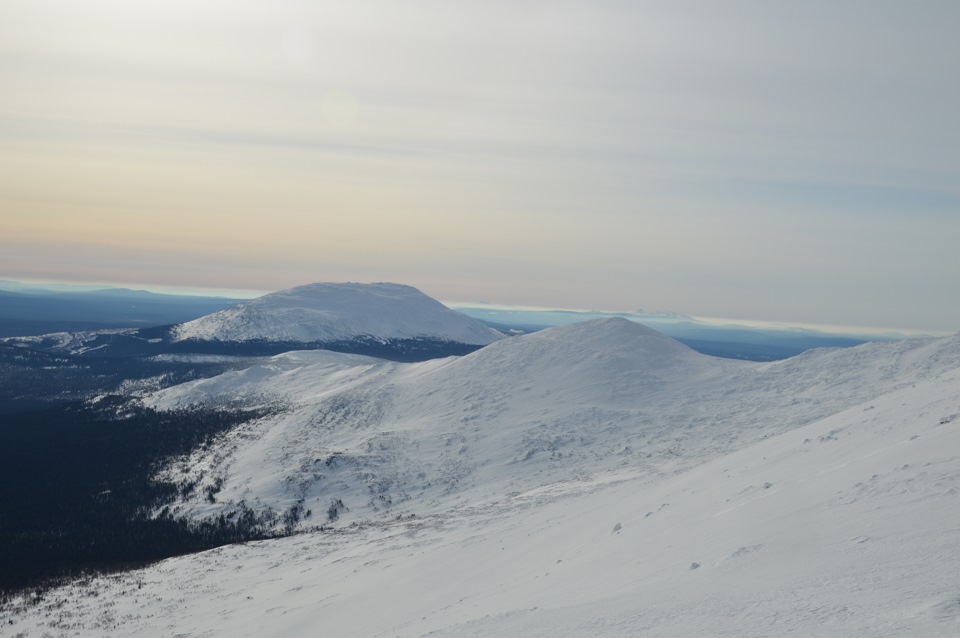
26 310
384 320
729 340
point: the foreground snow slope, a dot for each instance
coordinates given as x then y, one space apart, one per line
327 312
564 404
846 526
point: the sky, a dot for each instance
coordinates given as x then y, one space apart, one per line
766 160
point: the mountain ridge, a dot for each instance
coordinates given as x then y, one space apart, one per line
526 411
389 321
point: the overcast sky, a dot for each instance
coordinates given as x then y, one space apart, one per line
795 161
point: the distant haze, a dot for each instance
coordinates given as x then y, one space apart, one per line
793 162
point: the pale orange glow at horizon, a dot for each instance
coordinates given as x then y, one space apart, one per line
583 155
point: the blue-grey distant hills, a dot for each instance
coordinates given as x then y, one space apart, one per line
26 310
385 320
374 319
68 362
730 341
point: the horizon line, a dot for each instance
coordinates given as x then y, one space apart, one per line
656 316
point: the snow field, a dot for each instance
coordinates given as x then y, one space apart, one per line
846 526
590 480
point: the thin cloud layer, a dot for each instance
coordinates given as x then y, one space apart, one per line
765 160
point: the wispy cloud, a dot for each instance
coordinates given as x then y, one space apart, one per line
742 159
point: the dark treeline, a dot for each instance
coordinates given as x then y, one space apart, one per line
76 490
407 350
141 344
32 379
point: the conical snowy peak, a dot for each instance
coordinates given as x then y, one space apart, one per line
617 334
602 361
330 312
599 347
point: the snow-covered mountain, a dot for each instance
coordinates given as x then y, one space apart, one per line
329 312
387 438
385 320
594 479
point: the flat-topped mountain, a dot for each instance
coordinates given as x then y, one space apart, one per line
384 320
328 312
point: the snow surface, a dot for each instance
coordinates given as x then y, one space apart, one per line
325 312
553 406
597 479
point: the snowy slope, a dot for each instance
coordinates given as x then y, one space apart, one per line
569 403
846 526
386 437
326 312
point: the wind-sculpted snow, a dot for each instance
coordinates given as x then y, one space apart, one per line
845 526
583 400
328 312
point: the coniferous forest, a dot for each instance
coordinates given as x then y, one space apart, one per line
77 487
78 495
